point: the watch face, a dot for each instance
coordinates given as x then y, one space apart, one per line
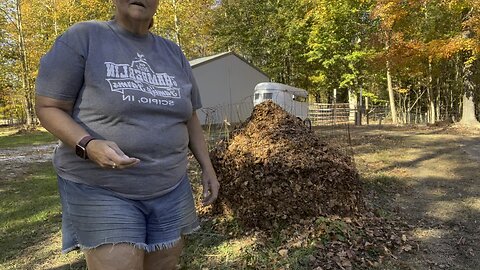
80 151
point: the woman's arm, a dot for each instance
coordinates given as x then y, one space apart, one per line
199 149
55 116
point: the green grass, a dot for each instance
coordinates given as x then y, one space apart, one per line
207 250
30 219
30 215
10 138
25 207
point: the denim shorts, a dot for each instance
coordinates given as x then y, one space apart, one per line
93 216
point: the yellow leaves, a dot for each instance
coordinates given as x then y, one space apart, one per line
389 12
407 43
319 78
402 90
403 52
188 20
446 48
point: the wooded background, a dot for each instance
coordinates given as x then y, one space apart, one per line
418 56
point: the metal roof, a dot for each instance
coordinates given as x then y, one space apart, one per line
272 86
204 60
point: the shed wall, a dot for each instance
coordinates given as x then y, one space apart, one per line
226 87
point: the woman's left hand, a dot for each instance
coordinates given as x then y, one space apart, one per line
210 187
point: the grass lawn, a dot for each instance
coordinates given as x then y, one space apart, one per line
9 137
30 216
30 220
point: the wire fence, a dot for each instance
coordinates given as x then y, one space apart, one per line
326 114
228 113
10 122
329 114
220 121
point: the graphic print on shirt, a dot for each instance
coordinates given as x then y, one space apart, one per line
139 76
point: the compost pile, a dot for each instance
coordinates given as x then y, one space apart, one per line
274 170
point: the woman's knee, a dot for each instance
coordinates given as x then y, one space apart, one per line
164 259
115 257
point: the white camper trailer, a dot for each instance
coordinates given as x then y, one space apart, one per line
291 99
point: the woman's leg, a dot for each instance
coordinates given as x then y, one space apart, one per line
115 257
164 259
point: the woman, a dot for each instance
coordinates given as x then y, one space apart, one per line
122 102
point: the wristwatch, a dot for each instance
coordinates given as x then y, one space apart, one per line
81 147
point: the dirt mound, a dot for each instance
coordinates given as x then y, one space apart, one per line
274 170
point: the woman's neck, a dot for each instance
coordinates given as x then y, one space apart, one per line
134 27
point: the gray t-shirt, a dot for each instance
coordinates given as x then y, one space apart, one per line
137 91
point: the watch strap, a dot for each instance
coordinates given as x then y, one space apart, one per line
85 140
82 144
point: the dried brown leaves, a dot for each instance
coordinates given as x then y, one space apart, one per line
275 171
277 175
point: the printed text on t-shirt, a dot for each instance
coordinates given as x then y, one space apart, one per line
139 76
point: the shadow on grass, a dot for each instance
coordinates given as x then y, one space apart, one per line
79 265
30 214
439 196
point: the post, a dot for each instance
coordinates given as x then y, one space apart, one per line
366 110
360 108
334 106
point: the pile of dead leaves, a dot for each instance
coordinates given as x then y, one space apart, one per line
275 171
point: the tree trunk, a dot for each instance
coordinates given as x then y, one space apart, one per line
352 102
176 23
408 111
431 104
417 108
55 19
458 83
27 90
391 95
403 109
468 112
438 102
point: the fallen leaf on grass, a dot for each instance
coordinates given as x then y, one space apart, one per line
283 252
407 248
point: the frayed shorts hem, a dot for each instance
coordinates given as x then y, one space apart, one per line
147 248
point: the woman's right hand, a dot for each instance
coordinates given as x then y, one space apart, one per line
107 154
56 117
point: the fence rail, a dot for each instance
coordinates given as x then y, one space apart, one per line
9 122
329 114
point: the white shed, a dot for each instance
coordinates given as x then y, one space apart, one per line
227 82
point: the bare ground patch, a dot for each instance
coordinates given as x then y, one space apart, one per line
14 161
436 190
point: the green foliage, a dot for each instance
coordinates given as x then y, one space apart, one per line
270 34
337 44
187 22
318 45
